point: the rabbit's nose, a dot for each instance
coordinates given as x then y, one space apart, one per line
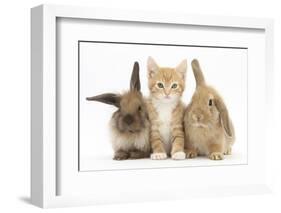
197 117
128 119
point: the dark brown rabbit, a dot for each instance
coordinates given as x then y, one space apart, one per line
129 124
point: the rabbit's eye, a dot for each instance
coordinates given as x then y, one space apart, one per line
139 108
160 85
210 102
174 86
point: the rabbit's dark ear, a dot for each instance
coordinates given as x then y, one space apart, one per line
135 78
107 98
224 117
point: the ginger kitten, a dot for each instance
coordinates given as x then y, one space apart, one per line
166 110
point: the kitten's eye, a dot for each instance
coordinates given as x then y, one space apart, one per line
160 85
174 86
210 102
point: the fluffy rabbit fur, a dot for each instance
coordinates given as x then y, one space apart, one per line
208 128
129 124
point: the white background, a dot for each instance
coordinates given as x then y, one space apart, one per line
15 98
101 71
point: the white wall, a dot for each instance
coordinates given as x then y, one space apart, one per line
14 107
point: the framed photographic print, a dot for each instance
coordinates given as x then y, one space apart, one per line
130 106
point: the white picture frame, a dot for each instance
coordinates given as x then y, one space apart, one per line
44 83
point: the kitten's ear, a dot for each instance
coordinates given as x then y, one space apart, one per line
152 67
182 67
107 98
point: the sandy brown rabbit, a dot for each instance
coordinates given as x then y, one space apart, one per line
129 125
208 128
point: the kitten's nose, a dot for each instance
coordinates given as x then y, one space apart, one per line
128 119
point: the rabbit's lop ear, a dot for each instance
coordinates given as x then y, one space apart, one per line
198 74
224 117
135 78
107 98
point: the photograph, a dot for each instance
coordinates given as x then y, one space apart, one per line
154 105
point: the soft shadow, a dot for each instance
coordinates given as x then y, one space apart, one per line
26 200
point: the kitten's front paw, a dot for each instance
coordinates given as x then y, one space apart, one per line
191 154
178 156
158 156
216 156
